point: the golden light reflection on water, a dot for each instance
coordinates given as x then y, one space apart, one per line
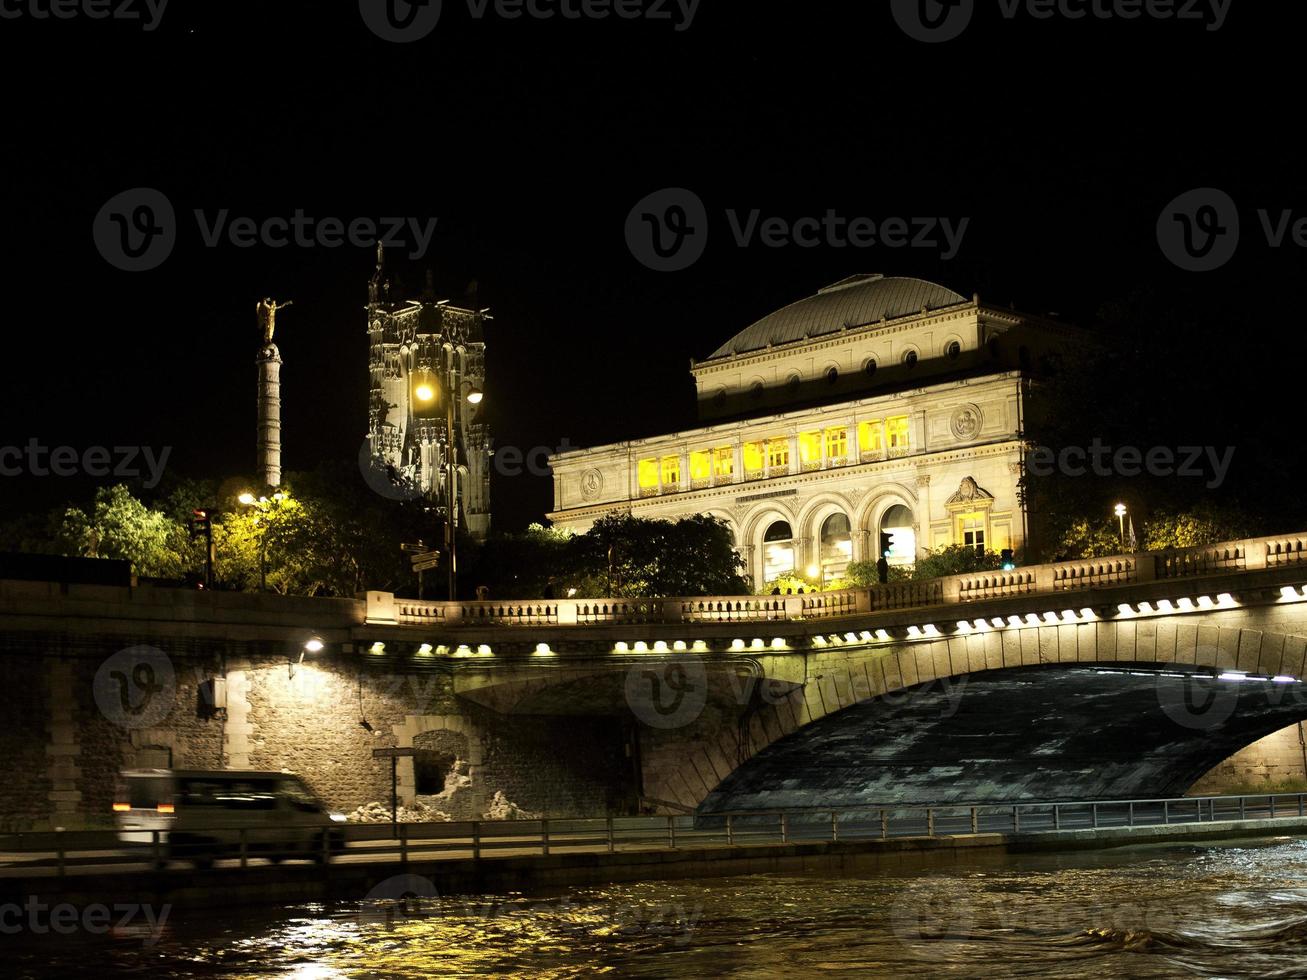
1147 913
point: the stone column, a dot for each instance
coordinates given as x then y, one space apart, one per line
924 518
269 410
62 748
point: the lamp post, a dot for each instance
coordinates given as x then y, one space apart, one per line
1120 511
313 644
265 506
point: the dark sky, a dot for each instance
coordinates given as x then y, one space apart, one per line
531 140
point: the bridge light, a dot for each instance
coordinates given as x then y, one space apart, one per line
1289 594
867 636
913 632
1186 604
1284 679
377 648
463 650
1069 615
1144 607
737 644
620 646
1015 621
1165 605
997 622
964 626
313 644
930 629
882 635
1125 609
1032 619
1225 600
851 637
424 650
700 646
819 641
778 643
485 651
542 650
1232 675
758 643
641 646
1204 602
1087 614
679 646
660 646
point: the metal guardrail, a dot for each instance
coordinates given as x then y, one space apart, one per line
91 851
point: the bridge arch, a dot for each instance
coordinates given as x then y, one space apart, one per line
711 768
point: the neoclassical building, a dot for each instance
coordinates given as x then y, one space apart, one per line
879 404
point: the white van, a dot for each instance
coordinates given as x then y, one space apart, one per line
200 814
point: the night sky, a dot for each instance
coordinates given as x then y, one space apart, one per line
530 141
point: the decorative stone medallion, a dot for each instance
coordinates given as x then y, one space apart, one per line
967 420
592 484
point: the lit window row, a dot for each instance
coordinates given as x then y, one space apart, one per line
763 458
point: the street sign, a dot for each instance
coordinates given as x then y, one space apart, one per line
425 566
414 549
393 753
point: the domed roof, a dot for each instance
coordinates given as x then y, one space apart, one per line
853 302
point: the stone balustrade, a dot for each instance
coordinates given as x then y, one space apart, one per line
1058 577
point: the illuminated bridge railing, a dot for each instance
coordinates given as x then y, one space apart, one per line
1055 578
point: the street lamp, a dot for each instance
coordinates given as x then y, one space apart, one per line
1120 512
474 396
819 573
313 644
264 506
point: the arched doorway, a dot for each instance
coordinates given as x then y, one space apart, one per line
897 523
777 551
836 548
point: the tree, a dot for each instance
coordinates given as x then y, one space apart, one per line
1206 523
120 526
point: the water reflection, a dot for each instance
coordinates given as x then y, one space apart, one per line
1228 910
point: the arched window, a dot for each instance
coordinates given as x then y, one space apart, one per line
897 523
777 551
836 546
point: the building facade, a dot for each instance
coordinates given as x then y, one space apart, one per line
425 357
878 405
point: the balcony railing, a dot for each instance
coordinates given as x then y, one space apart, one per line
1060 578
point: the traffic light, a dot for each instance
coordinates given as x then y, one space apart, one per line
202 526
886 542
1009 559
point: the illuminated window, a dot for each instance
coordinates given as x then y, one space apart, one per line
647 469
810 448
897 523
778 453
871 437
777 552
671 472
700 465
723 462
896 431
753 458
836 546
837 442
971 530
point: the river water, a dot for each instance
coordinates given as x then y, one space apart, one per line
1233 910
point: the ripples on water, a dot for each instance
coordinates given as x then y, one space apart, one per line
1221 911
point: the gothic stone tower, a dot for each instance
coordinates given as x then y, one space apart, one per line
424 356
